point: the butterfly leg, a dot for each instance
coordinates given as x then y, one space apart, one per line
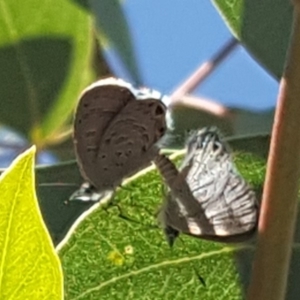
171 235
87 193
135 205
124 217
121 214
122 187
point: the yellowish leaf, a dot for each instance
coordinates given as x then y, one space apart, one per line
29 266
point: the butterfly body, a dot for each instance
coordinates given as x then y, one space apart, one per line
220 205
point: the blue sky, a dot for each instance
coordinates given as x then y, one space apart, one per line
172 38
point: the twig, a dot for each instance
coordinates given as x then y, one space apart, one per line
279 204
59 137
207 105
203 72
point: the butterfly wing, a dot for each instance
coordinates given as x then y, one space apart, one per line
98 105
228 201
219 191
129 143
179 208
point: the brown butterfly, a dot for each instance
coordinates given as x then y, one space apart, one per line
116 130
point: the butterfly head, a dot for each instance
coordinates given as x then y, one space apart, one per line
207 139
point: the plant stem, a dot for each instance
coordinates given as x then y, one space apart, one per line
279 204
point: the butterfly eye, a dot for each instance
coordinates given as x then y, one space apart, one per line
159 111
211 141
217 146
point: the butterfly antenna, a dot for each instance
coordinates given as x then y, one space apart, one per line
57 184
122 187
123 216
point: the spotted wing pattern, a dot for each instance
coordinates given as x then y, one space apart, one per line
116 128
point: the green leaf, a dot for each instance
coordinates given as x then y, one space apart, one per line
113 32
109 257
55 184
264 27
257 144
44 58
29 266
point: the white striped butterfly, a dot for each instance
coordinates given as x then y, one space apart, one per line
116 128
208 198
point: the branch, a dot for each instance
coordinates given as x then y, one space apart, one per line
206 105
203 72
279 204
